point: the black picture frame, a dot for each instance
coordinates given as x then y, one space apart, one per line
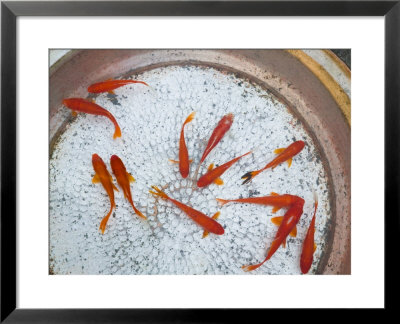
10 10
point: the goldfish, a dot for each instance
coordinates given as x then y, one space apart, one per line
110 85
309 246
183 152
124 178
102 175
213 174
206 222
288 223
82 105
222 127
219 131
285 154
275 200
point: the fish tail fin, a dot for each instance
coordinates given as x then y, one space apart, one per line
158 192
138 212
246 153
315 199
315 207
222 201
252 267
189 118
249 176
117 132
104 221
142 82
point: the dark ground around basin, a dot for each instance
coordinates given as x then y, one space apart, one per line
344 55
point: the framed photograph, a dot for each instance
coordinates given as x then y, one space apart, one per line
164 101
160 160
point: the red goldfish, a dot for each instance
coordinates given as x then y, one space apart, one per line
275 200
289 221
223 126
124 178
82 105
183 152
208 223
285 154
309 246
103 176
110 85
214 174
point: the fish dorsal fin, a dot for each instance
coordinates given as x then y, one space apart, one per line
111 92
210 167
284 243
293 233
189 118
219 181
275 209
279 150
289 162
74 113
131 178
173 161
277 220
274 194
315 247
96 178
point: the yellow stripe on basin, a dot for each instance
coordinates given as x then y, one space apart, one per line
338 94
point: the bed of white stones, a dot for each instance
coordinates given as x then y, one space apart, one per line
170 242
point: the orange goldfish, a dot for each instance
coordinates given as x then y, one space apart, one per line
124 178
103 176
214 174
309 246
275 200
285 154
223 126
82 105
289 221
208 223
183 152
110 85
